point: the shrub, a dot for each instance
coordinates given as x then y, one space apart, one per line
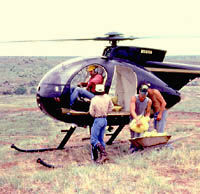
8 92
33 91
20 90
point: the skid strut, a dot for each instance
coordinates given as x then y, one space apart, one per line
60 147
115 134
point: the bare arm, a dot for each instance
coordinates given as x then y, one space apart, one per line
162 104
132 109
148 109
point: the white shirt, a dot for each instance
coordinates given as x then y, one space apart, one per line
100 105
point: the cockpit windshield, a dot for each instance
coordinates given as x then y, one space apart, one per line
61 73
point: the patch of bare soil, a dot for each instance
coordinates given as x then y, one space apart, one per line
184 118
176 176
6 111
13 110
7 189
8 165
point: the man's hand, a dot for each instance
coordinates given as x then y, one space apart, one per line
159 117
82 84
57 99
138 122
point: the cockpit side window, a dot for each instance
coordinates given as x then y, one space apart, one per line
82 86
84 75
81 76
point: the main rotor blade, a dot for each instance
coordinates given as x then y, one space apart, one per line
112 36
50 40
76 39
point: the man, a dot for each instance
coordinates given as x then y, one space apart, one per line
140 105
100 105
159 107
94 79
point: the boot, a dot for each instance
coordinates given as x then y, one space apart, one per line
103 154
94 153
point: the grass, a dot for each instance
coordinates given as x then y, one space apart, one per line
19 73
152 171
190 95
164 171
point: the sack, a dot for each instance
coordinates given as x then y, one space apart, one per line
143 127
153 133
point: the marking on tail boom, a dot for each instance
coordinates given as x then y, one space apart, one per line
172 70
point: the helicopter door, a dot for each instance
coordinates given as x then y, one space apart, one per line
124 86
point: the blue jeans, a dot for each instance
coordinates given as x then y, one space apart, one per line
97 131
134 134
76 92
160 125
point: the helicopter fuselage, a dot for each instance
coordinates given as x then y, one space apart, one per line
123 70
58 82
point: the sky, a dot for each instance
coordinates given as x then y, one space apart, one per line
176 21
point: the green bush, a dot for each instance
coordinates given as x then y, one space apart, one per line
33 91
7 92
20 90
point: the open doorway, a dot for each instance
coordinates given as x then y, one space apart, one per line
124 86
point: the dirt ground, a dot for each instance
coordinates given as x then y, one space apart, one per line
76 141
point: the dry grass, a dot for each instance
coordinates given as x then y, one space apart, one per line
152 171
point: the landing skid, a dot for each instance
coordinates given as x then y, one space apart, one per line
65 140
60 147
33 150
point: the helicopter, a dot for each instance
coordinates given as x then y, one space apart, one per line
124 69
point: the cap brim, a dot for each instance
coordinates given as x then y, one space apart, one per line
144 93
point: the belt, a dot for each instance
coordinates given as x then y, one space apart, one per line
101 117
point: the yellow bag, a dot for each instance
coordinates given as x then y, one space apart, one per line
153 133
140 129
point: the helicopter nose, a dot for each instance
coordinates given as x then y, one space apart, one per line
48 99
49 90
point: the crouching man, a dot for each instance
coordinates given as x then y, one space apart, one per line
100 105
140 106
